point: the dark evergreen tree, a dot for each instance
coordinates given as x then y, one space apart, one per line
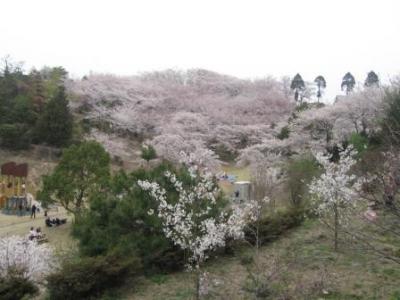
372 80
37 91
348 83
83 169
298 86
321 84
55 124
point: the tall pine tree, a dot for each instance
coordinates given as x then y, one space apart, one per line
372 80
348 83
55 125
298 86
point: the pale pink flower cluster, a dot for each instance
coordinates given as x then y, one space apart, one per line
34 260
189 223
336 187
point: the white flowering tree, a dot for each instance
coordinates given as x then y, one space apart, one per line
335 190
196 222
31 260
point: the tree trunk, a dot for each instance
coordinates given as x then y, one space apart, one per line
198 275
335 209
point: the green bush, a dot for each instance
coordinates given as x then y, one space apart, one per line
359 142
273 226
118 222
284 133
14 136
300 172
15 286
148 153
391 119
302 107
223 152
89 278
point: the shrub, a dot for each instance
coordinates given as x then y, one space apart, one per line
148 153
16 286
223 152
359 142
391 119
89 278
284 133
300 172
273 226
302 107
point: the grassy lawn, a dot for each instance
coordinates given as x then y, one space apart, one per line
305 267
59 237
242 174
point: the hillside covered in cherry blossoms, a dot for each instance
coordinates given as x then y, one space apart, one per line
218 116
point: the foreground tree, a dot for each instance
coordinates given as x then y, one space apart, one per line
348 83
83 169
298 86
372 80
321 84
27 258
195 222
24 264
334 191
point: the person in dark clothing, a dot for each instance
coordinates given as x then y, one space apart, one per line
33 211
20 209
48 222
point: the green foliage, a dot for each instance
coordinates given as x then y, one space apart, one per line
223 152
372 80
148 153
14 136
297 82
391 119
83 170
302 107
273 226
25 115
118 221
359 142
300 172
55 125
348 82
284 133
90 277
16 286
53 79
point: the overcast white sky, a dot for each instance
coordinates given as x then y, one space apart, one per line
245 38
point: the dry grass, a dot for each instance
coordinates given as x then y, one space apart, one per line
306 268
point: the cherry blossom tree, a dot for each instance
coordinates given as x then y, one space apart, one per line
335 190
195 222
34 261
196 105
